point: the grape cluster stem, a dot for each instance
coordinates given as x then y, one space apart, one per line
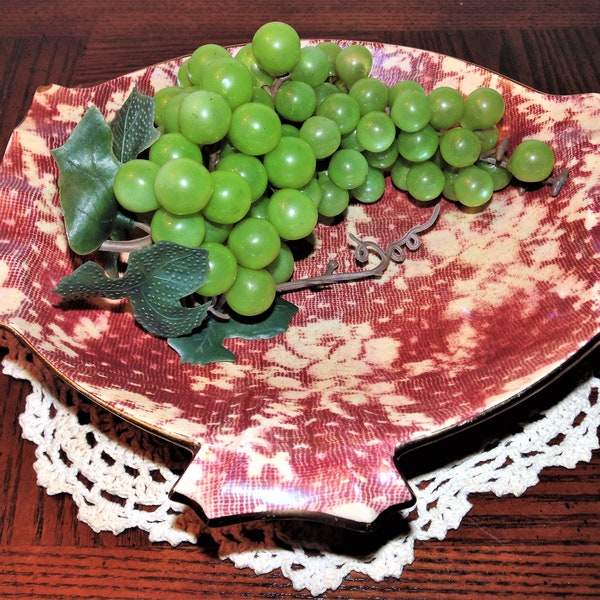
129 245
393 253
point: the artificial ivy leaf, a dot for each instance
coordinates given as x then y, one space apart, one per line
87 171
157 277
133 126
203 347
206 346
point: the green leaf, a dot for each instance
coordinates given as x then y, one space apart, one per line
206 346
133 126
157 278
87 171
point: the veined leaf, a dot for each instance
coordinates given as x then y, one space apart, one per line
206 346
87 171
156 280
133 126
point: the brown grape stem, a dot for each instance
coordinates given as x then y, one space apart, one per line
129 245
497 155
393 253
217 303
277 83
557 183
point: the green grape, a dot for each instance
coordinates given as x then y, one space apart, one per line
334 199
183 78
183 186
447 107
371 94
348 168
259 77
170 114
353 63
255 129
282 268
173 145
161 97
252 293
350 142
201 57
403 86
250 168
418 146
254 242
291 164
222 270
230 78
292 213
276 47
313 190
425 181
399 173
484 107
331 49
289 130
204 117
450 175
501 177
263 97
410 110
312 67
376 131
531 161
322 135
324 90
488 138
342 109
186 230
134 185
473 186
225 149
260 208
373 187
295 101
231 197
438 160
460 147
382 160
216 232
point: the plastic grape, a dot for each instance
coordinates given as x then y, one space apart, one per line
531 161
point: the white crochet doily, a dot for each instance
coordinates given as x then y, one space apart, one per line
120 476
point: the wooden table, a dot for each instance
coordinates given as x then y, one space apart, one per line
546 543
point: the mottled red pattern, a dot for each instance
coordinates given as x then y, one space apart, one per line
309 422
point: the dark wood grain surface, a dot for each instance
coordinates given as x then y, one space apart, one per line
545 543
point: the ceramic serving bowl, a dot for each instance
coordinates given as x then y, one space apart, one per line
490 307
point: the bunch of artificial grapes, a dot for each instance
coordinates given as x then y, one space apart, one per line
255 148
442 137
